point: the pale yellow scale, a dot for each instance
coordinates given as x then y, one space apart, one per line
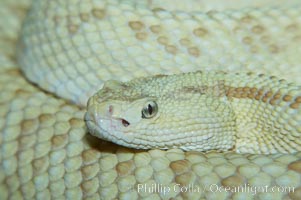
65 51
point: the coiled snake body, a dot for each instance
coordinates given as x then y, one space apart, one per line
67 49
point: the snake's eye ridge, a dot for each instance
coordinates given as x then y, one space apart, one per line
149 110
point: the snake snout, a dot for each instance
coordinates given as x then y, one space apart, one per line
90 116
108 111
98 111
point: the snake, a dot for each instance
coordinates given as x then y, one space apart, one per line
127 99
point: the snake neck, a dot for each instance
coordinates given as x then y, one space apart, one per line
267 113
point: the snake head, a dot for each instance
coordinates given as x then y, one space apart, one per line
160 112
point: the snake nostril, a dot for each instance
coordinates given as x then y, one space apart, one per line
111 109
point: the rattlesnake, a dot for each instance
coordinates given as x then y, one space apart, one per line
45 149
199 111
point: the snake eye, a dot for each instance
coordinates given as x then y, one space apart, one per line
149 110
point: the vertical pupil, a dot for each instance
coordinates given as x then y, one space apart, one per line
150 109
